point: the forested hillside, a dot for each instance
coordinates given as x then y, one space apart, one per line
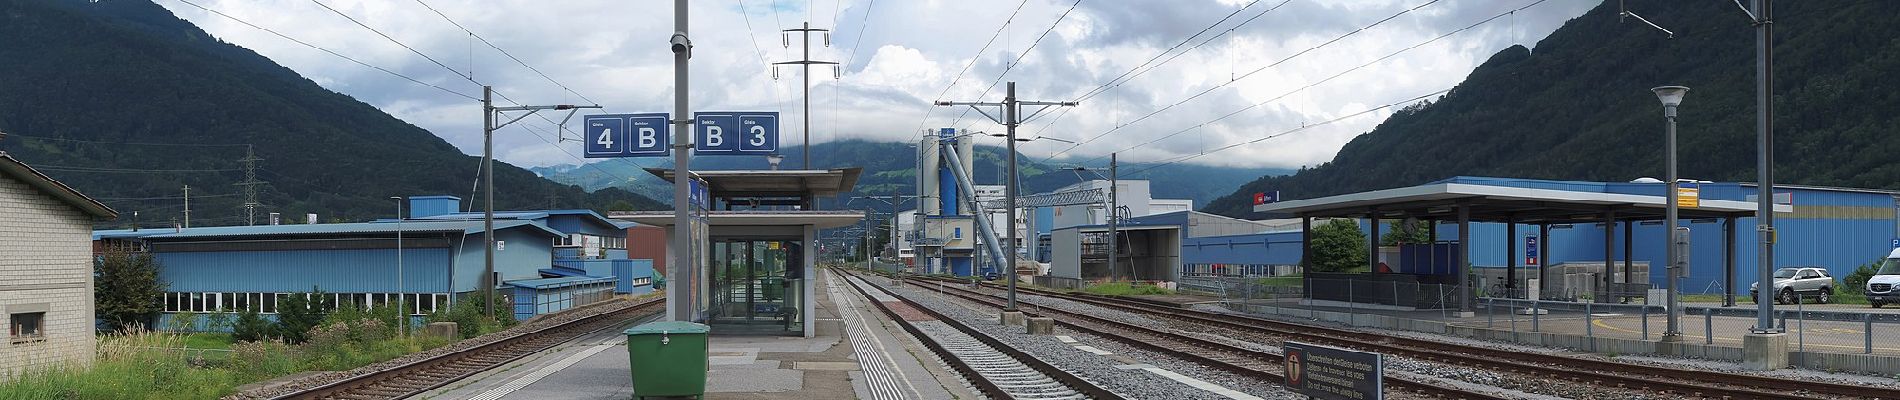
1579 105
129 104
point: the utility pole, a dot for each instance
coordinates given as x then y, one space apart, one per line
1114 214
250 184
489 112
1765 162
892 201
1012 117
682 250
807 62
187 206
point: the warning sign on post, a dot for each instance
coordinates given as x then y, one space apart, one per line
1334 373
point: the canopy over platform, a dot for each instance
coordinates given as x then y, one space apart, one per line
1493 203
774 183
1513 202
817 219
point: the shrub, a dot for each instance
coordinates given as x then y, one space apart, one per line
467 316
183 321
251 327
219 320
299 312
1124 289
1856 283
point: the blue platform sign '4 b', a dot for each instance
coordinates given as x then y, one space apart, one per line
626 135
735 133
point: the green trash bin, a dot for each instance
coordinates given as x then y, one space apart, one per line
668 358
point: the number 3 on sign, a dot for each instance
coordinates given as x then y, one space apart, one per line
758 135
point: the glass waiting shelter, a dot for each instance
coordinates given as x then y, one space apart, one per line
752 267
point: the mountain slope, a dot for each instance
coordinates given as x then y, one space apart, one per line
1579 107
129 103
890 167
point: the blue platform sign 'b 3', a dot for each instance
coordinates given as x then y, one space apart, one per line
735 133
626 135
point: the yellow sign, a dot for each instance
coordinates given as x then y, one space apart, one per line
1688 197
771 245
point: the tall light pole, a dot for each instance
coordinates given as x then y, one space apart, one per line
402 310
1012 117
1671 96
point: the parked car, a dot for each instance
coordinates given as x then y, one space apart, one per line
1793 283
1881 287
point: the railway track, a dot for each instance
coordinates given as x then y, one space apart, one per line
1242 361
996 369
434 372
1671 381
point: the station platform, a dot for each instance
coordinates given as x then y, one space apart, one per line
856 353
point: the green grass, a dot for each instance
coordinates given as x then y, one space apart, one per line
1288 281
209 340
1839 298
157 365
1124 289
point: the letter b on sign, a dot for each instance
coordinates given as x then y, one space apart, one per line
648 138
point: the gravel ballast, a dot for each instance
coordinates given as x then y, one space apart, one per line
1099 369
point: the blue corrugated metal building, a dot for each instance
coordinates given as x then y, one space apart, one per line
209 269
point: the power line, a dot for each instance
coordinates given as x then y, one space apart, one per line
1011 66
1238 79
164 197
1118 80
511 56
338 55
1290 131
966 67
14 135
126 170
393 40
1328 79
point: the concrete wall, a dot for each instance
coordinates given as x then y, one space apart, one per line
1066 261
45 267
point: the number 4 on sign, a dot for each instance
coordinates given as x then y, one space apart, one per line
606 138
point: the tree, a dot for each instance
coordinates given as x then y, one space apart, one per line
1338 246
620 205
249 327
1402 233
299 312
127 291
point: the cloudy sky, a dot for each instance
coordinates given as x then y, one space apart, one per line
1271 67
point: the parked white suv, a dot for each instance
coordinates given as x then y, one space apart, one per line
1881 288
1791 284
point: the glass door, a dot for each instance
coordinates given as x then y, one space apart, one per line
751 291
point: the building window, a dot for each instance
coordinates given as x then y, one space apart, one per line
27 327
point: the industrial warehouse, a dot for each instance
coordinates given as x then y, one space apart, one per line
546 261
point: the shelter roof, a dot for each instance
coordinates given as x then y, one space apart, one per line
820 219
1499 199
787 183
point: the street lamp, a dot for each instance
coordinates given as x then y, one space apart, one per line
402 309
1671 96
774 159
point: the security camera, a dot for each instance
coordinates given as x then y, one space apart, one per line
681 44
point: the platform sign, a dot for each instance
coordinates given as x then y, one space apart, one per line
735 133
1323 372
1266 197
1688 195
1896 243
1530 250
626 135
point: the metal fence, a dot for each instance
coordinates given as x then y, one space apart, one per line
1811 328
